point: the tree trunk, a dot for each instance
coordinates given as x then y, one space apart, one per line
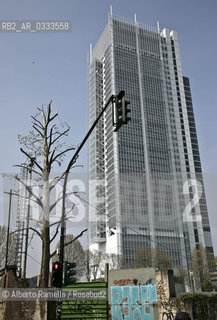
45 237
45 261
45 258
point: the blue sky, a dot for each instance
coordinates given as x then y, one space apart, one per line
36 68
59 71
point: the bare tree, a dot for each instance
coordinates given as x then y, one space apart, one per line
115 261
44 148
96 260
94 264
168 305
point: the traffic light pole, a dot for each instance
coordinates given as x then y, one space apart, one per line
73 160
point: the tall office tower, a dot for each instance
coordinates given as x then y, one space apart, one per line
146 187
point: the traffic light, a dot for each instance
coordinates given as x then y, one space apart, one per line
120 111
69 273
125 112
56 279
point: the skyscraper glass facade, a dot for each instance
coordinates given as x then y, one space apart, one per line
146 187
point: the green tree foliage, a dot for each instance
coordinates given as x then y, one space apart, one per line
74 252
182 275
147 257
207 286
142 258
204 305
202 263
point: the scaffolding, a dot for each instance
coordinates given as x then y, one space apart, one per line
21 219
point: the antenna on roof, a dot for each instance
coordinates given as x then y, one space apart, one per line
91 49
135 20
110 13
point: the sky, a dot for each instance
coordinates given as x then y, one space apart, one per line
39 67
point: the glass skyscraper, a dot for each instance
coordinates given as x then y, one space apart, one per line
146 186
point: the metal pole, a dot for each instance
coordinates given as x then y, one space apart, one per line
8 234
111 99
73 160
27 231
61 256
8 230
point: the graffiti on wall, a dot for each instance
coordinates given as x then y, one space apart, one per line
123 282
133 302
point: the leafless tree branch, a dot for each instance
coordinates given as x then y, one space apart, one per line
51 134
20 196
37 125
54 223
32 159
52 118
39 122
60 135
49 111
61 153
31 228
38 200
56 232
41 134
28 168
69 242
57 179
